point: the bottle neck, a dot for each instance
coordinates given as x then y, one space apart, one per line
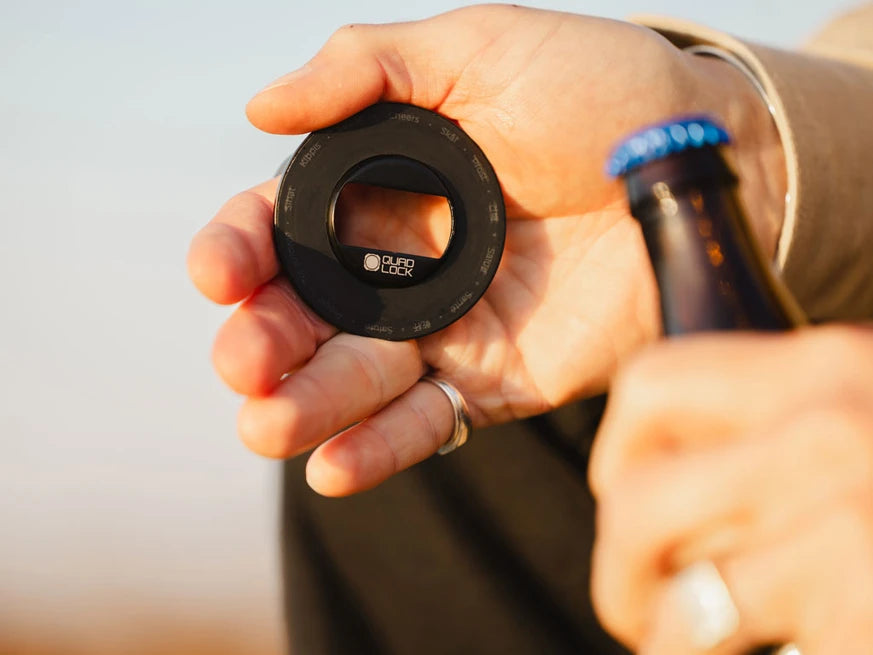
709 271
689 170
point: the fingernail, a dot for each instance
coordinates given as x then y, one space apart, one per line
288 78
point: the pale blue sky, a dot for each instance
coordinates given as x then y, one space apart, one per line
123 131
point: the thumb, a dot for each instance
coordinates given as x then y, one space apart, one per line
417 62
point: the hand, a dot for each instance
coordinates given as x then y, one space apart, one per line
753 452
545 95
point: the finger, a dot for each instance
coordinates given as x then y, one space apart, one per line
233 254
812 586
348 379
673 511
270 334
407 431
698 391
362 64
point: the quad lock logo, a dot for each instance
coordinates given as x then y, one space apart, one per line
389 265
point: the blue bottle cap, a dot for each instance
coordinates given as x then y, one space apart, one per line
662 139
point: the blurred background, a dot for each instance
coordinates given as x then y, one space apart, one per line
131 519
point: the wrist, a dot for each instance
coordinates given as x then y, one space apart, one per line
757 153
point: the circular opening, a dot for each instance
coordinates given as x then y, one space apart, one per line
394 204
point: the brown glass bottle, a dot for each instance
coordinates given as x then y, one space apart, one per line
710 273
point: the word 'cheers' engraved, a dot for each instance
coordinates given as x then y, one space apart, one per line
409 118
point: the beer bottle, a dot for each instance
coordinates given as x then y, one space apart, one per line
710 271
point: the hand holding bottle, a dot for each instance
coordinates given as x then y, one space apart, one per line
732 509
754 452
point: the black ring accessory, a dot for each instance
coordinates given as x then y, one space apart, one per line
380 293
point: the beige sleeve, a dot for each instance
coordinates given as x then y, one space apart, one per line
823 96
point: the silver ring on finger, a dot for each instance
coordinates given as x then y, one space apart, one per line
710 608
463 425
711 613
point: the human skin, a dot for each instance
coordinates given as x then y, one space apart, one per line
546 95
753 452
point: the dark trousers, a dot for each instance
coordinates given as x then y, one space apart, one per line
486 550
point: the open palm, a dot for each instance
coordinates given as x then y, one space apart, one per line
545 95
